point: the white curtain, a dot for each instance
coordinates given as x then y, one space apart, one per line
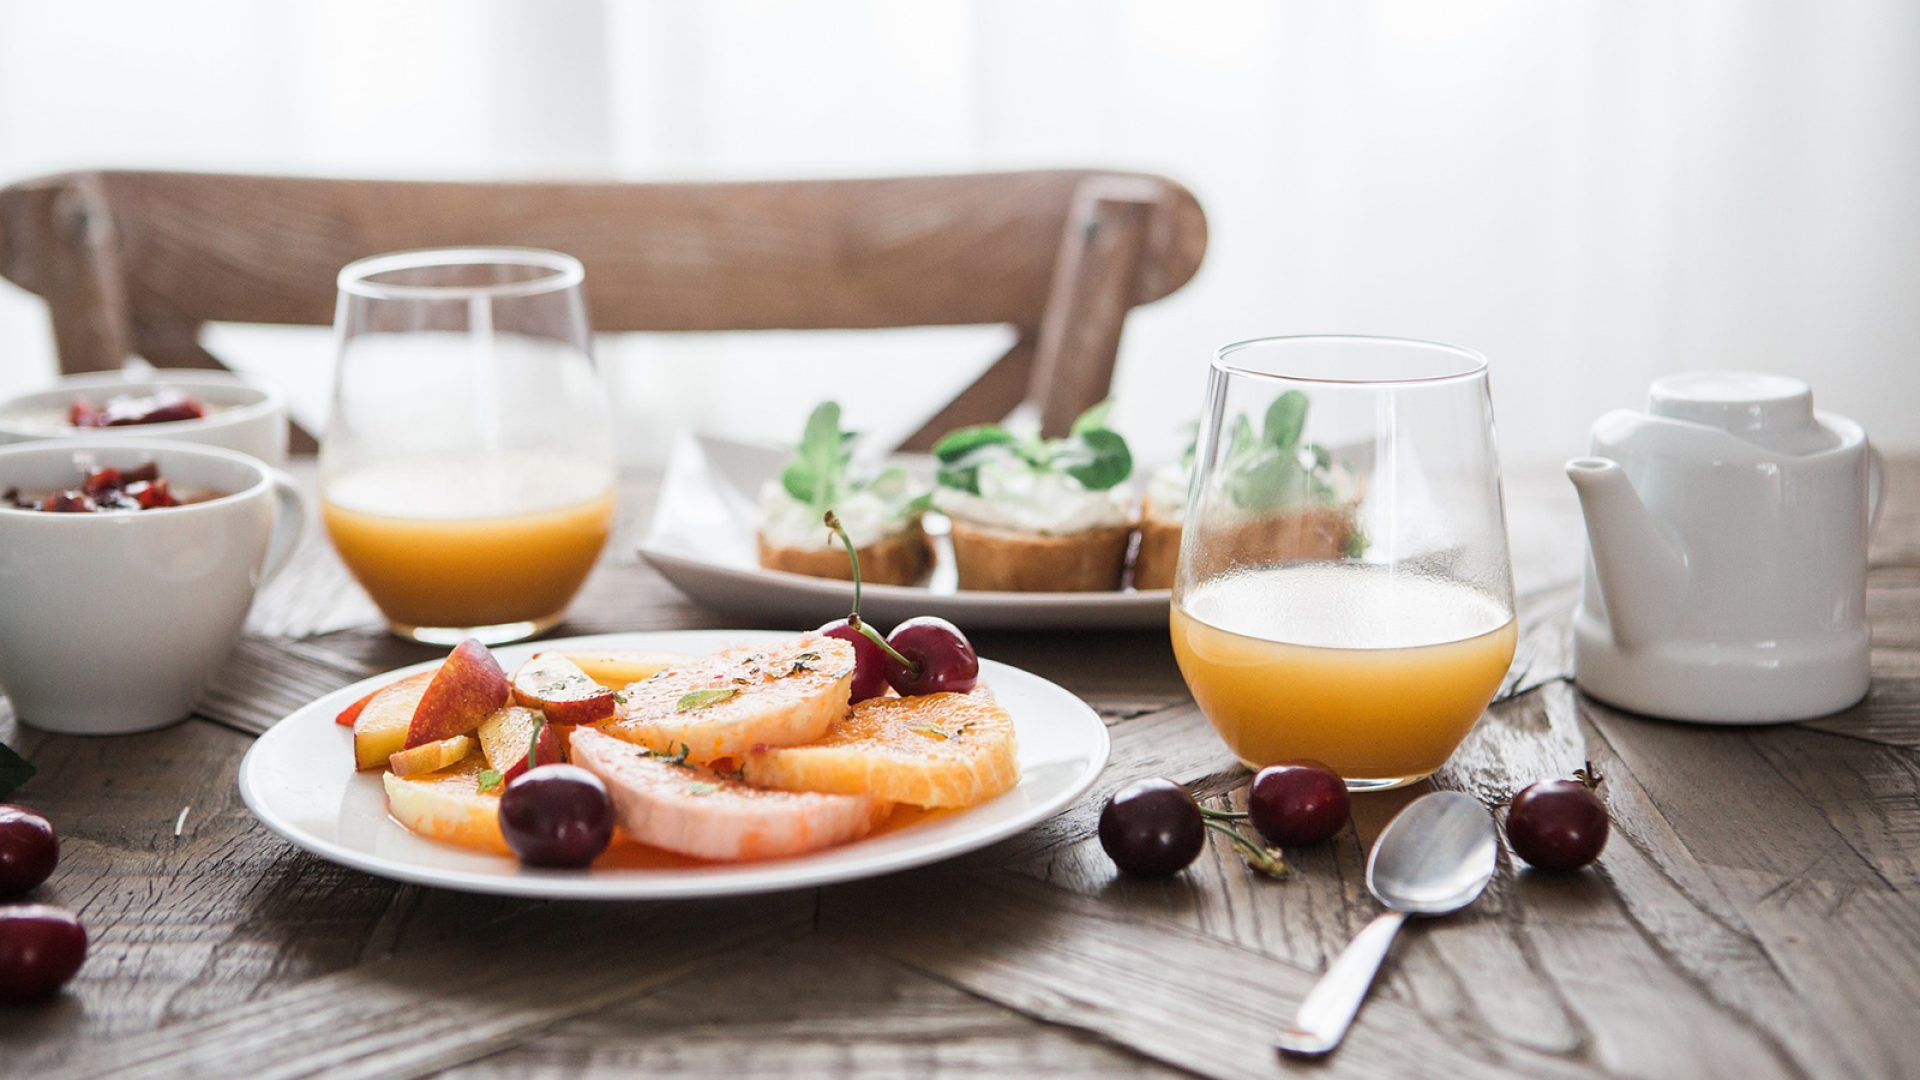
1591 193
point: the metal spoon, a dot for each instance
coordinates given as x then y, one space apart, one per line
1433 858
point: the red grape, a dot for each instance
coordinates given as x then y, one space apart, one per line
1152 828
1298 802
556 815
869 660
40 949
1559 824
946 660
28 850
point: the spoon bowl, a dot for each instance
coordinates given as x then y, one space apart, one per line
1435 857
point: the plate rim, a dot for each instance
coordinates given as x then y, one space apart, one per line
569 885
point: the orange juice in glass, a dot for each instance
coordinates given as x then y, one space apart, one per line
1344 592
466 476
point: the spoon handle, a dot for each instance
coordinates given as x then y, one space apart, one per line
1323 1017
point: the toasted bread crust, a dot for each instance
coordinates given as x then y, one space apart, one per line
1314 534
1007 561
900 559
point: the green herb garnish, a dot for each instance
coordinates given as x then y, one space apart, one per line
932 732
1092 453
702 788
489 780
700 699
14 770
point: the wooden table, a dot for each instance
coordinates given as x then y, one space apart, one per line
1756 914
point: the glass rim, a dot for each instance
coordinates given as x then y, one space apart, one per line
564 272
1475 364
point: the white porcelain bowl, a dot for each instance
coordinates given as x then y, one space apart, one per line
114 622
248 418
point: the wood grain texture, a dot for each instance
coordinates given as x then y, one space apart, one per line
1756 913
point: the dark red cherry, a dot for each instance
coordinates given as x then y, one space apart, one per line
943 657
29 850
1559 824
1152 828
556 815
1298 802
41 947
869 660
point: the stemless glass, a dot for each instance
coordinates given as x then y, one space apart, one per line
1344 592
466 476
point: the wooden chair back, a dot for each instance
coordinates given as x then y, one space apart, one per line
133 263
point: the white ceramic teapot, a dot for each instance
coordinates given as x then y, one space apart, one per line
1727 538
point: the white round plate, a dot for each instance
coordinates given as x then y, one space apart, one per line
298 779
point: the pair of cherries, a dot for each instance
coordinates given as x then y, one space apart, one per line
924 655
41 946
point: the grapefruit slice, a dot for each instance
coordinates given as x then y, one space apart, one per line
694 811
778 694
941 750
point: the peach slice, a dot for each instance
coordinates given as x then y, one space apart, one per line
466 690
380 731
556 686
506 735
352 712
448 806
430 756
615 668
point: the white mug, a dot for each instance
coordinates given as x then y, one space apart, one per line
245 417
114 622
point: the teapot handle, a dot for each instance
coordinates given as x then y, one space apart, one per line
1876 485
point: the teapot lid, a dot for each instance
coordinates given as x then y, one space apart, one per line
1773 411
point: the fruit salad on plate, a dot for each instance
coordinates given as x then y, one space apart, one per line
757 751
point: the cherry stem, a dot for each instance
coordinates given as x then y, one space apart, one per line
1589 777
1264 859
533 745
853 617
1224 815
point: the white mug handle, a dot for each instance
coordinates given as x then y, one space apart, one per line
289 522
1876 485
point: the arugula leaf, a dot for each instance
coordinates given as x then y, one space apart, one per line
1106 460
1285 419
700 699
1093 454
962 452
1094 419
813 477
14 770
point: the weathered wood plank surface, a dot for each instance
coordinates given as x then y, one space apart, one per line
1757 913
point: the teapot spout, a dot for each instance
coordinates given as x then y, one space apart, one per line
1642 576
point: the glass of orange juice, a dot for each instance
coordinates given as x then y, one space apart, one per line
1344 592
466 476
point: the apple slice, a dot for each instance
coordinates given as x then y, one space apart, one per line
507 734
616 668
556 686
465 691
430 756
448 806
380 731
